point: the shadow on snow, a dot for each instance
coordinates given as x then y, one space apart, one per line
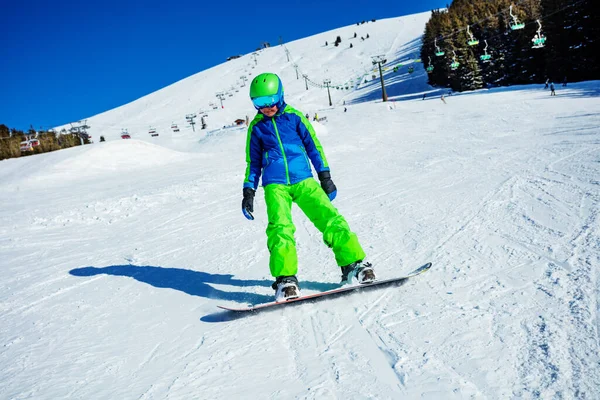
195 283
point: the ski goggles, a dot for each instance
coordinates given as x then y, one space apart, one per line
266 101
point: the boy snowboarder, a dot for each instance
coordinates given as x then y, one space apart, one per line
281 144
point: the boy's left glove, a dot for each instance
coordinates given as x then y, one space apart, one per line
327 184
248 203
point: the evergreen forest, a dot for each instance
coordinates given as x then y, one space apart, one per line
476 44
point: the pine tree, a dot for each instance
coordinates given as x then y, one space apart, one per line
571 27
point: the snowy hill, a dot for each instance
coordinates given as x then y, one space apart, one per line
115 255
395 38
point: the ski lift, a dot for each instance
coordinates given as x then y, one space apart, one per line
485 57
455 64
174 127
539 40
152 132
438 51
411 69
515 25
430 66
472 41
26 145
125 134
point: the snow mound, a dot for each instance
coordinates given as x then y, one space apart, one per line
85 162
121 155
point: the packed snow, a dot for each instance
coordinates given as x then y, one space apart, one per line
114 256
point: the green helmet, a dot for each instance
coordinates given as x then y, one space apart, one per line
266 90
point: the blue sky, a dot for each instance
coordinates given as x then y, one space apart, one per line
64 61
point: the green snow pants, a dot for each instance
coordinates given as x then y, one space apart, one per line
313 201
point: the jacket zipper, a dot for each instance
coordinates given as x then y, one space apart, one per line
285 163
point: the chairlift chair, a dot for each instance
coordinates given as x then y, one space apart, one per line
438 51
26 146
411 69
515 25
455 64
539 40
485 57
472 41
430 66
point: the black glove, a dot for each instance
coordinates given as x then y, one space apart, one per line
248 203
327 184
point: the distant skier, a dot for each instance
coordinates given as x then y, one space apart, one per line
442 98
547 80
424 95
564 82
345 109
280 142
552 92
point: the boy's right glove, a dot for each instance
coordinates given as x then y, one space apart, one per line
248 203
327 184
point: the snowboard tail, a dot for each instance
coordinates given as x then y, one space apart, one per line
332 293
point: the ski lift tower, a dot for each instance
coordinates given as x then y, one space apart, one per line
190 118
305 80
378 60
326 82
221 96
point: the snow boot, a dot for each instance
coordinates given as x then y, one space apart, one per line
286 287
358 273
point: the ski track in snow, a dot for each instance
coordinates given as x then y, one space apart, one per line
111 279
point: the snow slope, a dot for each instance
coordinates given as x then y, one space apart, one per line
115 255
396 38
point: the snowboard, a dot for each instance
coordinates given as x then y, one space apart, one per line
330 293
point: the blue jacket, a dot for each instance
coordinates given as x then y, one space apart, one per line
280 148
